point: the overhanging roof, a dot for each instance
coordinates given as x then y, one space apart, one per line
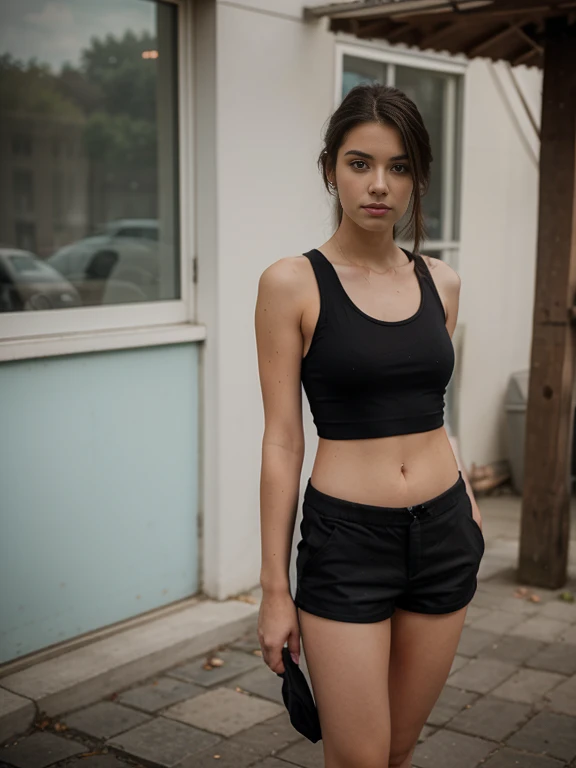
512 30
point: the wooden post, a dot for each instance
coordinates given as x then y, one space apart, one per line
544 535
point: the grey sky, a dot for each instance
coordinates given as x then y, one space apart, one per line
55 31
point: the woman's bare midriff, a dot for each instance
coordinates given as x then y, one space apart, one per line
397 471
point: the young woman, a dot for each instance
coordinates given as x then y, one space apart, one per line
391 534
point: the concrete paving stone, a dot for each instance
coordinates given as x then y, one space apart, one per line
40 750
528 685
513 649
272 762
104 719
485 600
569 636
16 714
457 663
474 612
482 675
235 663
164 743
224 711
97 761
511 758
449 703
555 657
248 642
504 586
88 674
547 733
428 730
473 640
491 718
270 736
261 681
563 697
498 621
561 610
226 754
540 628
159 694
304 753
492 567
519 605
447 749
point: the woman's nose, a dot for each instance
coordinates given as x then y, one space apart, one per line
380 184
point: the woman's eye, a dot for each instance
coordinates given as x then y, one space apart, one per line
403 168
353 163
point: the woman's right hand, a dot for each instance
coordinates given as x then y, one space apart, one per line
278 624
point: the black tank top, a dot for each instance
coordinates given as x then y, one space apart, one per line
365 377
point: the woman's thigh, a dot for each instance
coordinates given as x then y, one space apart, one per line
422 649
348 666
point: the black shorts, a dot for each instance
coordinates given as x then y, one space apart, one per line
356 562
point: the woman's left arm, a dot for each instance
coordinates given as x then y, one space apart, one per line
448 283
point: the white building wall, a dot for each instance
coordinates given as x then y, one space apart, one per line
274 93
498 255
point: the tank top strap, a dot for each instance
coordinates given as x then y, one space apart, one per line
429 280
328 283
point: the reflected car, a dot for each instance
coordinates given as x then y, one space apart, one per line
28 283
125 250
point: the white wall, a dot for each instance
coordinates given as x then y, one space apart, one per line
498 256
274 92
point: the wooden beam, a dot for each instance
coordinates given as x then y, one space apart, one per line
526 57
430 39
489 42
544 536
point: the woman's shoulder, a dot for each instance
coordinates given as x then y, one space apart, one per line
286 276
441 271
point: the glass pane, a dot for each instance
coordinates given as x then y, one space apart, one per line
356 71
88 153
427 90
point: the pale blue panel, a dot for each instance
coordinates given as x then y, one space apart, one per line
98 491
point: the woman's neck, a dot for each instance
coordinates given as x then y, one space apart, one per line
372 249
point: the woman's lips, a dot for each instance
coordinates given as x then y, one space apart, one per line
376 211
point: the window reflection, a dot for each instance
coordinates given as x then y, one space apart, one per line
88 154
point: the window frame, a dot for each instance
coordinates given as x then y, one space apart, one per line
64 331
383 52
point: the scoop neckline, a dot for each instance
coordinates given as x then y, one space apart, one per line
354 306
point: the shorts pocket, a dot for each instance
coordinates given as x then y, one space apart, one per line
317 533
470 517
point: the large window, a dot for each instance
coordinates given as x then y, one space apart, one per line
435 87
89 159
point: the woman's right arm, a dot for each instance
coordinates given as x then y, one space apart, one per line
279 345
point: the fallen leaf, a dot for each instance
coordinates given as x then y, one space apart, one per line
534 598
247 599
522 590
257 652
567 596
60 727
43 724
216 662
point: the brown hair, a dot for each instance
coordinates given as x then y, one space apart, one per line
373 102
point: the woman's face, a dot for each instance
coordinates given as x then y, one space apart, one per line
372 168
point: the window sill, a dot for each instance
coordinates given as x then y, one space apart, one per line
99 341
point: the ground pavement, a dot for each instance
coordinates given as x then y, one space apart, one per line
509 702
